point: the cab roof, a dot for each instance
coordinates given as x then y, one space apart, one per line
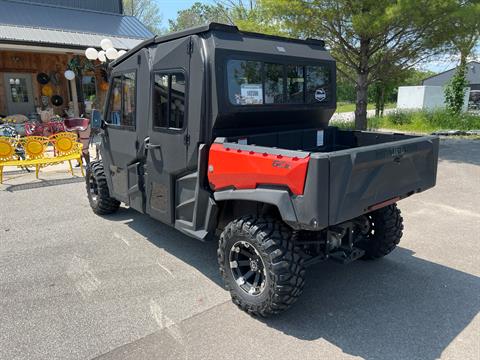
213 26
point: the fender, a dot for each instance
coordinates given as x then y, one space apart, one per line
279 198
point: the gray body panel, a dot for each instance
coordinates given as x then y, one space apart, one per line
164 172
344 184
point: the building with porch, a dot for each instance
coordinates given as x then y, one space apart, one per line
40 38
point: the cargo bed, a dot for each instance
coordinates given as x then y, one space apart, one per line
349 173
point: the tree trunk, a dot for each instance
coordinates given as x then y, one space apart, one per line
382 100
362 87
361 103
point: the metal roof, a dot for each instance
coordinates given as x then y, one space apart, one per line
24 22
111 6
56 38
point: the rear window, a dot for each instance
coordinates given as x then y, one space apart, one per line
259 83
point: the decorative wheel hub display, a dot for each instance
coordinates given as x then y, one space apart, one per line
247 268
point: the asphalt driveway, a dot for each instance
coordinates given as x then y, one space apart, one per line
77 286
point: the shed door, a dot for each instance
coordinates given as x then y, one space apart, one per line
19 93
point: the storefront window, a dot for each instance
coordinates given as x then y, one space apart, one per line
89 87
18 90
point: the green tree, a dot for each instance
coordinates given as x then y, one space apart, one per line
366 37
146 11
464 25
455 90
200 14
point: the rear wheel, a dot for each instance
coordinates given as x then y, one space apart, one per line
382 232
97 190
260 265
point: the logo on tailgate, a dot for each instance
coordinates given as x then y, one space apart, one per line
398 152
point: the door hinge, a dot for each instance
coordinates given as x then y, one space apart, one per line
190 47
186 140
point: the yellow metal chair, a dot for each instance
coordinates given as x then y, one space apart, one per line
67 149
35 148
7 153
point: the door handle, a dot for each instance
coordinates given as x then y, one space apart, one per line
152 146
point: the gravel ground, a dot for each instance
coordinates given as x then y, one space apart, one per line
77 286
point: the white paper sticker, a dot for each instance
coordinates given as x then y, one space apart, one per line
251 94
319 137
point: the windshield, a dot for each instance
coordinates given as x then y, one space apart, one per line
262 83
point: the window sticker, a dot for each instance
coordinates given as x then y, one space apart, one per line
320 136
251 94
320 95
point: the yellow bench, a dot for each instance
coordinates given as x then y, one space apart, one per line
66 148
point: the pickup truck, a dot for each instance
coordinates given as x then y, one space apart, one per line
224 134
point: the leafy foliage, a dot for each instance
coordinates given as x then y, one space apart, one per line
455 90
420 121
146 11
200 14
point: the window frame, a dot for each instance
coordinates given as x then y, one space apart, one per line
107 112
169 72
285 62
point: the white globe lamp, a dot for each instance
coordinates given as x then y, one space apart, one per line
111 53
69 75
101 56
106 44
91 54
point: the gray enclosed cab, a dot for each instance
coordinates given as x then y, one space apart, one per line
219 132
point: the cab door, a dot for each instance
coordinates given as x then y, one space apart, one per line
167 141
124 130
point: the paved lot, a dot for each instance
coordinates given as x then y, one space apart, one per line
77 286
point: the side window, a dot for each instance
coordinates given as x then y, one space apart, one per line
273 83
318 84
128 118
245 82
295 84
122 102
169 100
115 102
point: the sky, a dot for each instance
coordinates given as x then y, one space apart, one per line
169 9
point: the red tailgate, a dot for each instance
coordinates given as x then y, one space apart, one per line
244 169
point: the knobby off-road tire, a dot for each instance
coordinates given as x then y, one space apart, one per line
269 241
384 234
97 190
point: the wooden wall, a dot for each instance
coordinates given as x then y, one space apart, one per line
34 63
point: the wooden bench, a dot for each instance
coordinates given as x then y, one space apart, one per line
34 149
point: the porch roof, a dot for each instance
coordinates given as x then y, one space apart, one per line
47 25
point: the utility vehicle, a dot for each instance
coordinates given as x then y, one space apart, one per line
220 132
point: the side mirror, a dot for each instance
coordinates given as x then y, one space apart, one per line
97 119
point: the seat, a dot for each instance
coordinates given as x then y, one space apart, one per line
35 148
76 124
67 148
7 152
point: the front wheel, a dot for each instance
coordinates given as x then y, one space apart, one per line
260 265
97 190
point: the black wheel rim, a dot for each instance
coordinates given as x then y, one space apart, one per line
93 188
248 268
